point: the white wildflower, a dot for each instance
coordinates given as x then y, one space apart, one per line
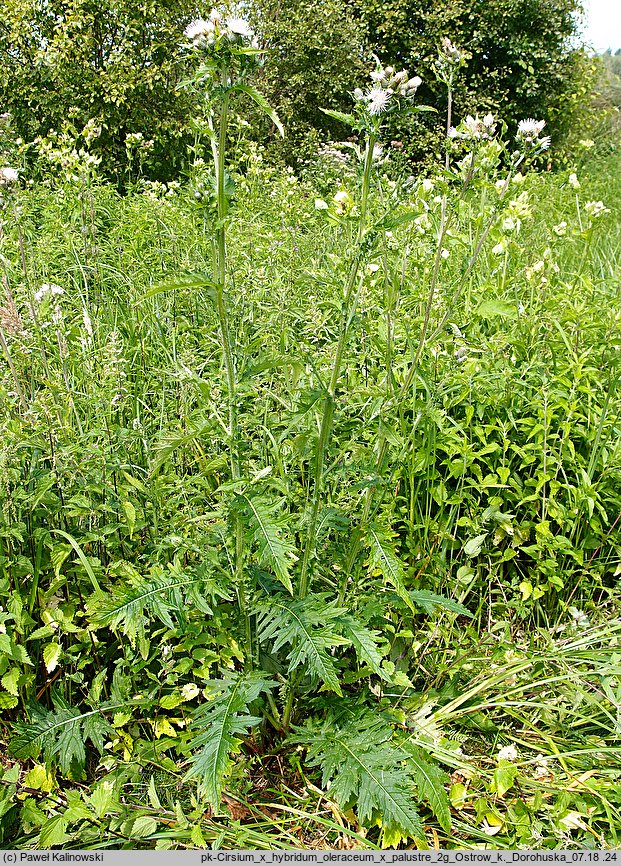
596 209
239 27
444 253
560 229
587 143
88 325
529 133
8 176
378 99
166 650
189 691
215 17
48 289
579 617
474 128
507 753
499 249
573 180
199 29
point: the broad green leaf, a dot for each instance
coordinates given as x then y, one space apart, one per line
143 827
497 309
473 546
51 654
54 832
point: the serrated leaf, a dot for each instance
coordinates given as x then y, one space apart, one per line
431 781
356 753
263 104
364 642
51 654
274 551
384 559
347 119
309 627
219 724
7 701
54 832
143 827
10 681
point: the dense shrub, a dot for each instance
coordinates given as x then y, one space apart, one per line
112 62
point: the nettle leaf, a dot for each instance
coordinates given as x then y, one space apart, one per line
383 558
273 550
310 627
219 725
368 770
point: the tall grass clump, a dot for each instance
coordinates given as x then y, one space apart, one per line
310 490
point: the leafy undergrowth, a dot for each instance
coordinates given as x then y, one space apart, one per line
312 541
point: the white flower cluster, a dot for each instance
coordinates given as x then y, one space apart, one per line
596 209
529 134
474 128
46 289
386 84
205 33
8 176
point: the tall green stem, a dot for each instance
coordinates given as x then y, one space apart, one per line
219 154
325 430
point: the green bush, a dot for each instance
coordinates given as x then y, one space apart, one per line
114 63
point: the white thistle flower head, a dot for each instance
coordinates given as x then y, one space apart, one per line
199 30
529 133
358 94
239 27
452 54
8 176
377 100
215 17
474 128
596 209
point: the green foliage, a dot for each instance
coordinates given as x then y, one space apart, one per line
110 69
363 765
346 470
217 729
315 57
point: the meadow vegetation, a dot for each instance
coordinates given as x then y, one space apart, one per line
311 485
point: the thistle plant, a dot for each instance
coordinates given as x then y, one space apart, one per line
390 93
